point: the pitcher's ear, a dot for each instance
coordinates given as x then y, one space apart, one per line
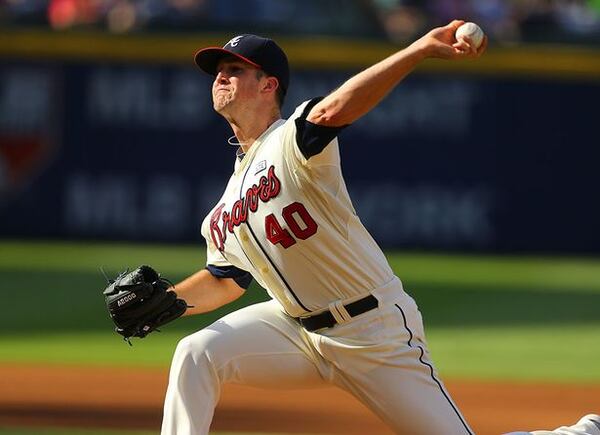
271 84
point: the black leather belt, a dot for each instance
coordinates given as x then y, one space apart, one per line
326 319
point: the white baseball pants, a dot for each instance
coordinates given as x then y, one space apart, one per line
379 356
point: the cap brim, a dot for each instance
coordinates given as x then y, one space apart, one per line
208 59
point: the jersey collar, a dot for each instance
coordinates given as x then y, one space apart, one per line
249 155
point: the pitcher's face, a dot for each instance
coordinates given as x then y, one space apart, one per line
236 84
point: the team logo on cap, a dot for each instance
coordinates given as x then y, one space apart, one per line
234 41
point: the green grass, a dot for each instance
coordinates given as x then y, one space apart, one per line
486 316
567 354
555 274
561 353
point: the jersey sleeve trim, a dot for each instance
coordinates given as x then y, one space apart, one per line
313 138
241 277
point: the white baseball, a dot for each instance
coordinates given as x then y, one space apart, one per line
473 31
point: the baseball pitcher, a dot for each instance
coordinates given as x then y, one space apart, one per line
338 315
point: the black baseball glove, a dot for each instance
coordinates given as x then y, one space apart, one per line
140 301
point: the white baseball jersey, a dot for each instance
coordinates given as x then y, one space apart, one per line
289 222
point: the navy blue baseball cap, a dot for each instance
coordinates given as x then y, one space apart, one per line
263 53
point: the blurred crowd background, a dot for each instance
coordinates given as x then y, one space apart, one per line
505 21
488 160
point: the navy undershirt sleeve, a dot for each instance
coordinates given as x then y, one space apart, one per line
241 277
313 138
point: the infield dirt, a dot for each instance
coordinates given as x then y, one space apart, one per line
125 398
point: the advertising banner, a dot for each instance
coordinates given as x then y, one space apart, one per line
135 152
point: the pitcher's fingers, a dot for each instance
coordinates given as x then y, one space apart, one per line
462 46
455 24
472 48
483 46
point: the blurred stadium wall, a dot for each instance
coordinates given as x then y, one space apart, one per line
111 135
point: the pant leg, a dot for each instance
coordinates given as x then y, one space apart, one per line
257 346
382 359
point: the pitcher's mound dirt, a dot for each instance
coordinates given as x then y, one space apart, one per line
132 398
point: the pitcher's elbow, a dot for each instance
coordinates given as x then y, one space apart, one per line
330 118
